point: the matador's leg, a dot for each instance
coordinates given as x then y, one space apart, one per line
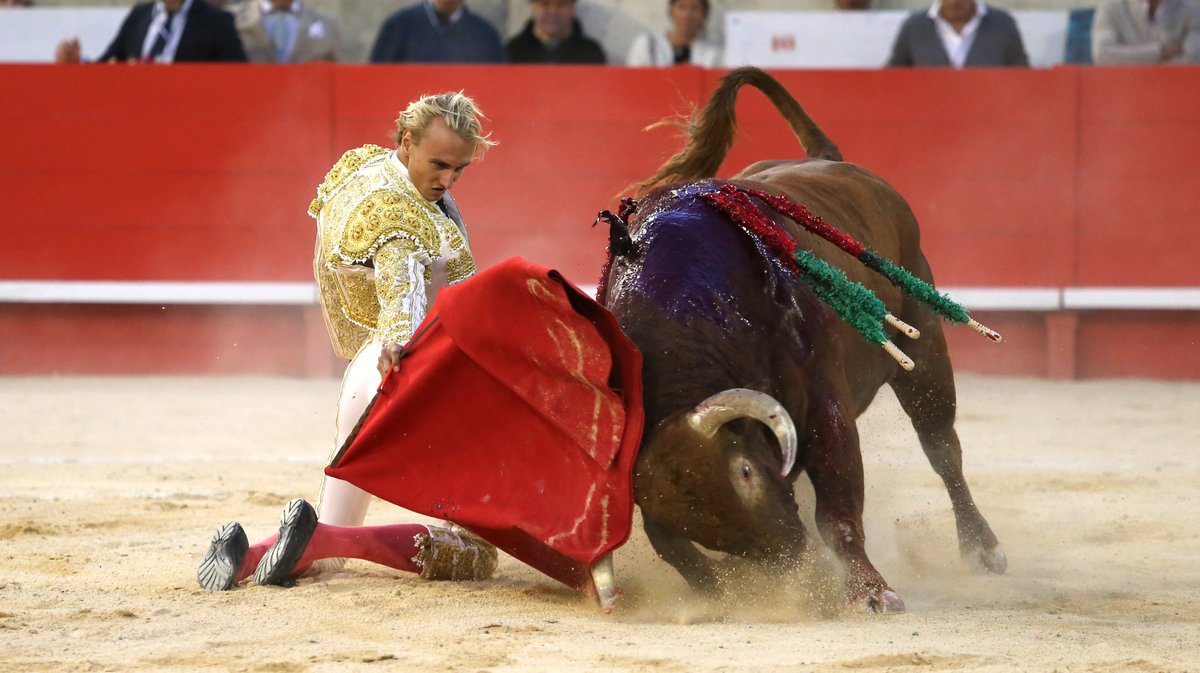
433 552
231 559
341 503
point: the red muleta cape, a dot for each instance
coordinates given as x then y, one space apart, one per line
517 414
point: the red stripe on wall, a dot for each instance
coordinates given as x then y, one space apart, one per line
1058 178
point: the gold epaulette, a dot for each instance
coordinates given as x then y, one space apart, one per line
383 215
350 162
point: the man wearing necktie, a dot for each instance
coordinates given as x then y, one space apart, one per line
168 31
286 31
164 29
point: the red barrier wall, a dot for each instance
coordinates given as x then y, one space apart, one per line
1046 178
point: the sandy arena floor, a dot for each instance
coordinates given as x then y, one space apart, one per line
111 488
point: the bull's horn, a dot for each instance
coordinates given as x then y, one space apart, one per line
604 580
735 403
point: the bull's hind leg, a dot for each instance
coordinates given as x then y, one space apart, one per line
928 397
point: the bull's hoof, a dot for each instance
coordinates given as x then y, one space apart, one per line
886 602
992 560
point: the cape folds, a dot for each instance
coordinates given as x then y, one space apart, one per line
517 414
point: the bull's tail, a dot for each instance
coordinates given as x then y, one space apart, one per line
711 135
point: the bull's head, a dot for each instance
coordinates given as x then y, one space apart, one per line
710 476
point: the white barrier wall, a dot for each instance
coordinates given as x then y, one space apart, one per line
858 39
30 34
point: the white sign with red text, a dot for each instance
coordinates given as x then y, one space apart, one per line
858 39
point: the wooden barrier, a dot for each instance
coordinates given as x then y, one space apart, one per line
1059 180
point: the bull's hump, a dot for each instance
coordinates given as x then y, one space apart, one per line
695 262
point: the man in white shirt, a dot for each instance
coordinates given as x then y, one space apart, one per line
958 34
1146 31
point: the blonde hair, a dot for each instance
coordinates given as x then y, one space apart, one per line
455 108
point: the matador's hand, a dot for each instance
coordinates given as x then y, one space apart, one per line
389 358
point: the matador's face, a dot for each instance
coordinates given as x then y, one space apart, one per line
437 160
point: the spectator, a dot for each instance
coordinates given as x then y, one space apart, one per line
959 33
681 43
168 31
16 3
437 31
852 5
286 31
1078 50
553 35
1146 31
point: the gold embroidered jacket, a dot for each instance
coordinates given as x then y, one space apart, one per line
382 250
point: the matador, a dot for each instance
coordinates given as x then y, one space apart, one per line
389 236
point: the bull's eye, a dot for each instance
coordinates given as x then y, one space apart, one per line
745 471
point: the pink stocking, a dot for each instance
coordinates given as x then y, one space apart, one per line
253 555
393 546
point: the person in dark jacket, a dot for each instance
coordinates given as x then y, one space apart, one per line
554 35
959 33
437 31
168 31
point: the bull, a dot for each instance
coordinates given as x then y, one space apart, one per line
731 334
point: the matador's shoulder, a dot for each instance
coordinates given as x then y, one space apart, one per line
350 162
381 216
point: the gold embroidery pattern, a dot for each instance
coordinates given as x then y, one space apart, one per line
345 334
350 162
369 214
460 268
382 215
401 306
357 291
338 212
461 265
